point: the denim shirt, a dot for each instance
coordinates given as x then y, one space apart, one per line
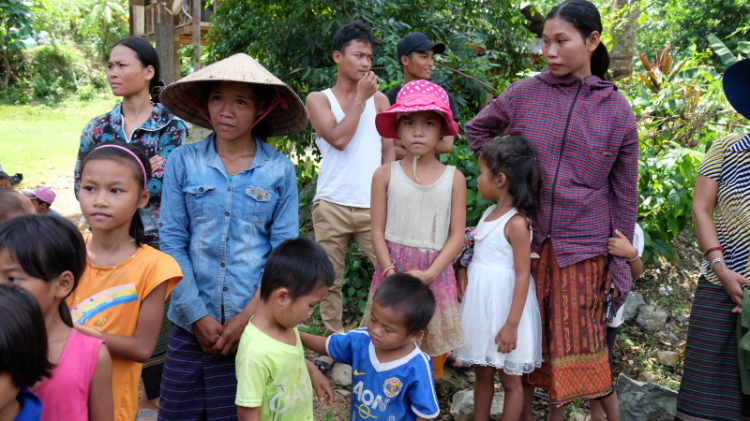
221 232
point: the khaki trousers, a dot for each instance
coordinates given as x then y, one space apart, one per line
334 226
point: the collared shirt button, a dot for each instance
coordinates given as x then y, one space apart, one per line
229 188
200 189
226 288
223 264
226 213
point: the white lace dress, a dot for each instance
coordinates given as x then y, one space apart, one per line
487 300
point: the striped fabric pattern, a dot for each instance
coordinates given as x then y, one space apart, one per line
728 163
586 140
196 385
710 388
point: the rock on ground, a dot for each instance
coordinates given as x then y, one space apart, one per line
462 408
645 401
651 318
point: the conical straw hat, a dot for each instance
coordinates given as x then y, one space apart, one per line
188 97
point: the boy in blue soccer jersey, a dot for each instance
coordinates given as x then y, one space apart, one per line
391 376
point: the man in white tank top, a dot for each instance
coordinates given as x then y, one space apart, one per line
352 149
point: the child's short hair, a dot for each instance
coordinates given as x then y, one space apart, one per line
23 338
45 247
11 203
299 265
352 31
407 295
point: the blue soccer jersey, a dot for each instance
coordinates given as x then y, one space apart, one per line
392 391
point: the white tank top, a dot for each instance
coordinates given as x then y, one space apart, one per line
346 176
419 216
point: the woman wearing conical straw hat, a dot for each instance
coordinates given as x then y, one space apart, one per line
227 201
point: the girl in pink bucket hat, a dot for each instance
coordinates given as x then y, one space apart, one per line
418 212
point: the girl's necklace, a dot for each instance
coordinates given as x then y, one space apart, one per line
479 238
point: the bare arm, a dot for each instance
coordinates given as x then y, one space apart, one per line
101 406
389 148
248 414
704 203
621 247
229 340
520 240
314 342
321 385
339 134
456 232
141 344
378 209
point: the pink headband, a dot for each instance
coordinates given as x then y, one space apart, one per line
145 176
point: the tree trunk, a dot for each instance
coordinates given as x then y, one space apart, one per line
623 51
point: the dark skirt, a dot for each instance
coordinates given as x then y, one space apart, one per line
710 388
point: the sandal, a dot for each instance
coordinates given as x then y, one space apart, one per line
324 366
451 361
147 415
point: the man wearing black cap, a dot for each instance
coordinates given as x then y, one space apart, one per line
415 52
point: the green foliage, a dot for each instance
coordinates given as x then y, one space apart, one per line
105 22
462 158
15 27
357 278
54 71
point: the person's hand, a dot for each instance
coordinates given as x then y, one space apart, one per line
462 281
732 283
608 284
320 384
423 275
156 161
506 338
230 337
620 246
207 331
367 86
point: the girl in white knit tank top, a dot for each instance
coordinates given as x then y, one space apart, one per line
499 310
418 211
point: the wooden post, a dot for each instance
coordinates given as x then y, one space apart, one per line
165 49
197 33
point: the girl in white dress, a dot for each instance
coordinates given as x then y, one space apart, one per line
499 311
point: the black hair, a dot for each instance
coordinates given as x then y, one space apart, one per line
408 296
23 338
146 54
514 157
45 247
352 31
10 203
584 16
101 152
4 175
264 95
298 264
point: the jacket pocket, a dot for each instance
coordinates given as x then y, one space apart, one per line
198 200
259 206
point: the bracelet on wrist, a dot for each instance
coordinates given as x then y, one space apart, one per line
634 258
387 269
360 103
717 248
717 260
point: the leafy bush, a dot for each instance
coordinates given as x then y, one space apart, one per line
54 70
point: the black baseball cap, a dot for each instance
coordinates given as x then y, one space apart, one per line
737 86
417 41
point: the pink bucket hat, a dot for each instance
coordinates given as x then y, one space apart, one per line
417 95
43 193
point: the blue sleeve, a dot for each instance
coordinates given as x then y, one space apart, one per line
174 236
285 219
340 347
420 395
87 141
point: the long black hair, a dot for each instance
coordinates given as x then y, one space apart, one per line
23 338
584 16
146 54
104 152
45 247
514 157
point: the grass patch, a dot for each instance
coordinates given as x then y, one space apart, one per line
41 141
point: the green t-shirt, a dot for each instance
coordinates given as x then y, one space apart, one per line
273 375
